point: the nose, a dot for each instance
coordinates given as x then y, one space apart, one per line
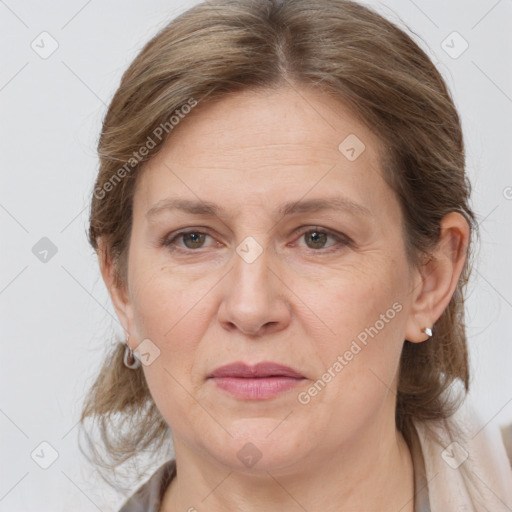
255 297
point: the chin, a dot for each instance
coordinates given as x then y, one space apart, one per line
261 444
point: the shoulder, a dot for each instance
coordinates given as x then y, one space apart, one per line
466 462
148 497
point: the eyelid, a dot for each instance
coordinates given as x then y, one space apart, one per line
169 239
333 233
339 237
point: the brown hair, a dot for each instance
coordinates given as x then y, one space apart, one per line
346 50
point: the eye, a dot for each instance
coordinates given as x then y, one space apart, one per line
318 237
191 239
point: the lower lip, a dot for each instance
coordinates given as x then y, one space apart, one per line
256 389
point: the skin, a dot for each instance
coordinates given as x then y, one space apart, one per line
300 303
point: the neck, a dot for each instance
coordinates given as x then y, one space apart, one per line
374 472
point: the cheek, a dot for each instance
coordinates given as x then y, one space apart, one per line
164 302
360 350
174 320
354 304
174 312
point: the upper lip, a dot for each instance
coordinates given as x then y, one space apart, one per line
263 369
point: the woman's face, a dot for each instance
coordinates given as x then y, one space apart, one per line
295 256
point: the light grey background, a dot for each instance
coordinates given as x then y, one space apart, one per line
56 315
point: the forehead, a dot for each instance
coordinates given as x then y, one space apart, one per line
261 145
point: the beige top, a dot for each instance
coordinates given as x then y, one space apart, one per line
442 474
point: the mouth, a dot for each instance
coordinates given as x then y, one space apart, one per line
259 382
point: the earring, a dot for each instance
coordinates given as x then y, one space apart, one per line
427 331
129 359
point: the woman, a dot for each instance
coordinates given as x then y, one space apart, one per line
281 218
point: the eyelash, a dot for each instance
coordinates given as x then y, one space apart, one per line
342 240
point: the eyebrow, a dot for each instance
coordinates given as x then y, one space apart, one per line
207 208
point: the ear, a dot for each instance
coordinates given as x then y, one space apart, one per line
436 280
118 295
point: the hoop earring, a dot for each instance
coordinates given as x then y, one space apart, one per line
129 359
427 331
